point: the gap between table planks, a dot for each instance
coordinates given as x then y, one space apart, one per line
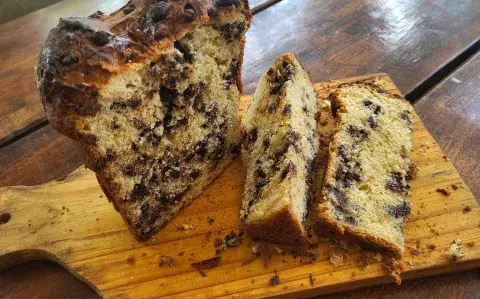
70 221
333 38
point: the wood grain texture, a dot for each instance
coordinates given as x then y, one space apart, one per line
21 41
451 112
67 221
408 39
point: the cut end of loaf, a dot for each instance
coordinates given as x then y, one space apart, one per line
279 153
157 118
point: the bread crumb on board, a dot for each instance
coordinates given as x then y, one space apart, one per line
455 251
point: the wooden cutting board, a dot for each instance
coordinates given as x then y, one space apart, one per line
71 222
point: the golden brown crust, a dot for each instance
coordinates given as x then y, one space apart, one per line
280 227
326 226
81 54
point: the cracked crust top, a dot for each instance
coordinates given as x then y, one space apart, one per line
81 54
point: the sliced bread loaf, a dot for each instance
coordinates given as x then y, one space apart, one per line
369 166
279 153
150 93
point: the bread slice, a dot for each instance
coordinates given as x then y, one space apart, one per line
369 166
279 154
150 93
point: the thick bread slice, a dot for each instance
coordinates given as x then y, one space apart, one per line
279 154
150 93
369 167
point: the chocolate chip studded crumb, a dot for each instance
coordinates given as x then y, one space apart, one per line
202 273
181 253
470 244
393 268
274 280
166 261
207 264
467 209
431 247
210 220
454 187
443 191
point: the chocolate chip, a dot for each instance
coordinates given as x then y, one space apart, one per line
96 15
346 175
272 108
261 173
235 149
357 133
351 220
374 107
225 3
252 135
101 38
401 210
266 143
398 183
340 198
262 183
372 122
279 80
69 59
129 170
290 168
129 8
232 31
292 138
5 217
139 191
195 173
190 14
274 280
159 12
287 110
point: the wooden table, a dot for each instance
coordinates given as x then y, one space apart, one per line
427 47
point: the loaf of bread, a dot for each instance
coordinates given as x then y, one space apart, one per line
279 153
150 93
368 171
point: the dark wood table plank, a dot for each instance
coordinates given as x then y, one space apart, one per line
20 43
410 39
10 10
451 112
